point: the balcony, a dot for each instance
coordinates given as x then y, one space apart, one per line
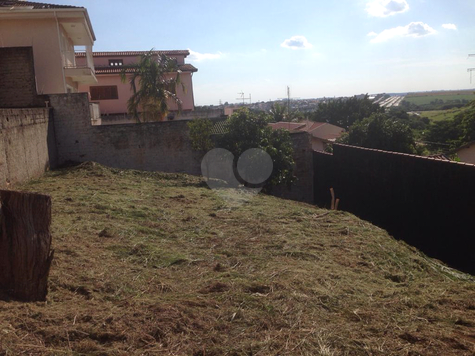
83 75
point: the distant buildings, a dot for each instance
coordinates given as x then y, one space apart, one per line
112 94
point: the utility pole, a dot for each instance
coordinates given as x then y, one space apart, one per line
470 70
288 101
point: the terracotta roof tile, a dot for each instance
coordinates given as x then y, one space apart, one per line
313 128
35 5
188 68
118 70
135 53
287 125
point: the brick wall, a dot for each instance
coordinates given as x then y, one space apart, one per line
17 78
426 202
157 146
27 146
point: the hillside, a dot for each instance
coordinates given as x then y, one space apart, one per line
156 264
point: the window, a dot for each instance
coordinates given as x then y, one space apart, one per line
116 62
104 92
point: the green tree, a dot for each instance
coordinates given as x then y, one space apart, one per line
443 135
344 112
446 135
247 129
153 81
382 132
467 119
200 135
277 112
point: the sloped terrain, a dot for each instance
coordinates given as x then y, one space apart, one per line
157 264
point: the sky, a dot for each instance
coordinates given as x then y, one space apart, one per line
316 48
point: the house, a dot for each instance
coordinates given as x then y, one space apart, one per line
466 153
321 133
52 33
112 94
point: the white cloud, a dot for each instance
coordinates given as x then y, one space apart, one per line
296 42
372 34
449 26
384 8
414 29
198 57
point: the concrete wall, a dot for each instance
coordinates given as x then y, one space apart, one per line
317 144
27 146
302 188
428 203
157 146
467 154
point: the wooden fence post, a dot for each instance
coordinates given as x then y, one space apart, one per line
25 241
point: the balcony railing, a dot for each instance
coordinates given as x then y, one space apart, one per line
84 73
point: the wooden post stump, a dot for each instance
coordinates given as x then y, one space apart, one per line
25 241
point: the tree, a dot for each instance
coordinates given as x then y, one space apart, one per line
443 135
247 130
153 82
446 135
200 135
277 112
382 132
344 112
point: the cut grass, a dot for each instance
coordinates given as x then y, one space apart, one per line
151 263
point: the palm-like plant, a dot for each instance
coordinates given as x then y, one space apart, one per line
153 81
278 112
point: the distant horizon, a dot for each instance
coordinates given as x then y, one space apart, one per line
336 97
316 48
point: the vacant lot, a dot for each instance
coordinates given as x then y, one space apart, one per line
156 264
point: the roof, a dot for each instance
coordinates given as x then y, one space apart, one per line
316 129
118 70
30 6
291 126
135 53
35 5
440 156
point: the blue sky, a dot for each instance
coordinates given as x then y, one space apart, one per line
317 48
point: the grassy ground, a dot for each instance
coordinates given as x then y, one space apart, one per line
438 115
156 264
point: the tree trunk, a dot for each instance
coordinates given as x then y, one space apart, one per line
25 241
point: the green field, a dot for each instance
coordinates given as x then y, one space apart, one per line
427 99
438 115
